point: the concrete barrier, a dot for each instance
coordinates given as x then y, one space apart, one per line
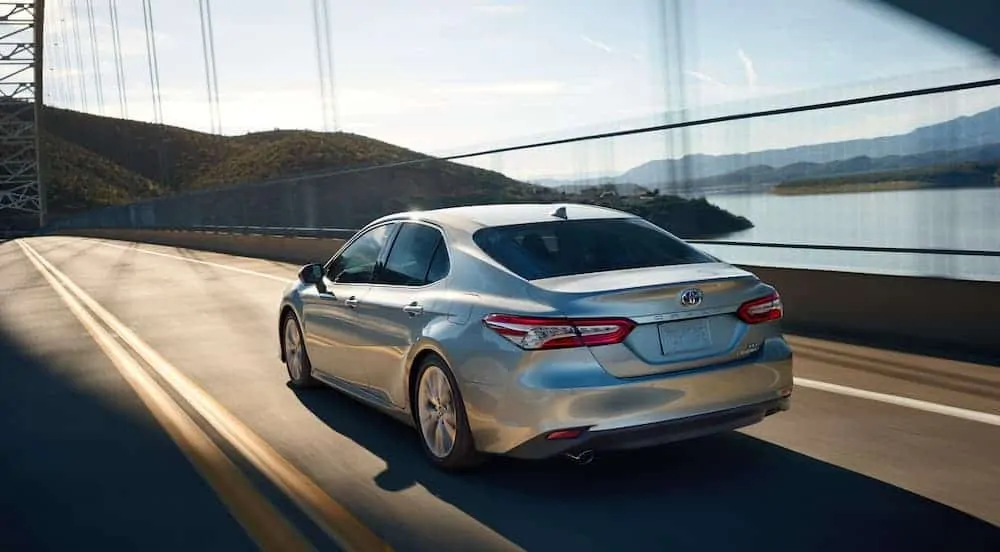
932 316
287 249
936 316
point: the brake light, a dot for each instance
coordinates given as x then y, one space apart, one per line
565 434
760 310
533 333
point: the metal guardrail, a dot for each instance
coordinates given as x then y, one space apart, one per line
861 248
298 232
345 233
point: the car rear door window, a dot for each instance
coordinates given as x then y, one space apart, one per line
413 254
564 248
440 264
356 263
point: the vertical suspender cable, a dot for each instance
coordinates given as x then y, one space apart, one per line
119 65
96 57
57 60
317 27
211 54
79 53
682 104
208 55
331 96
151 61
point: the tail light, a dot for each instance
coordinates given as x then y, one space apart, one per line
760 310
535 333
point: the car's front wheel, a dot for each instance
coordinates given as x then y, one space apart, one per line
296 357
439 413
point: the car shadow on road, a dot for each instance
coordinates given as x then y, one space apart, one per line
723 492
84 466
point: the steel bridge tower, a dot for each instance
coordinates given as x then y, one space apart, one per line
22 192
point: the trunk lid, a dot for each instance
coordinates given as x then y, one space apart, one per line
670 335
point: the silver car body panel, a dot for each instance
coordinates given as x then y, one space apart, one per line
365 339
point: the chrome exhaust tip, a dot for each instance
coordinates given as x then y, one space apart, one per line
581 458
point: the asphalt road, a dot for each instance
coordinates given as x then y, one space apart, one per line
85 461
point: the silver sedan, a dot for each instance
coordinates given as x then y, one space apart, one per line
537 330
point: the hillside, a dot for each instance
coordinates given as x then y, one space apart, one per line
285 178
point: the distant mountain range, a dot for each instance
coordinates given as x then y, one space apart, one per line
974 138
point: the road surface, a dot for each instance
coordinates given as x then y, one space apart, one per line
143 407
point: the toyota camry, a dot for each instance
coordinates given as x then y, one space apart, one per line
537 330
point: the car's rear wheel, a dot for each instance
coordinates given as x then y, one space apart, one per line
439 413
296 357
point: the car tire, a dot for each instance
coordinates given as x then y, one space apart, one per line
428 409
296 357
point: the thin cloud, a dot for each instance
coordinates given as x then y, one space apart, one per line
501 9
748 67
706 78
597 44
502 88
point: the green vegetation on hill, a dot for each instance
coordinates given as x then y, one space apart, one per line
955 175
79 180
310 178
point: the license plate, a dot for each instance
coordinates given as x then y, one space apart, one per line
685 336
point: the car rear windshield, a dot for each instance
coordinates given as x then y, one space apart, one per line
568 247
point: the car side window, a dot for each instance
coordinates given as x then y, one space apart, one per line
356 264
412 255
440 264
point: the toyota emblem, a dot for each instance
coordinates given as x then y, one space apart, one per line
691 297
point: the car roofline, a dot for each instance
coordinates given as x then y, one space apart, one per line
457 217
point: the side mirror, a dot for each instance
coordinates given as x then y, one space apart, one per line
312 274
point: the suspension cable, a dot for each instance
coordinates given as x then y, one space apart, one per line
325 4
98 79
57 61
319 62
154 68
208 55
119 65
211 53
79 53
324 60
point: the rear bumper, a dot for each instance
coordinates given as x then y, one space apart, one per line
649 435
569 391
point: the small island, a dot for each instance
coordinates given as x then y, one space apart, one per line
685 218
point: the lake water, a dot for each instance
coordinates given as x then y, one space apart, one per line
947 219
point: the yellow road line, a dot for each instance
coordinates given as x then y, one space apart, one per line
342 526
259 518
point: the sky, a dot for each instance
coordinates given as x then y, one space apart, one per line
454 76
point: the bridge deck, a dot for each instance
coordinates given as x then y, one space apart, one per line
842 470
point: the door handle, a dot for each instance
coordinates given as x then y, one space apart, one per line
413 309
351 302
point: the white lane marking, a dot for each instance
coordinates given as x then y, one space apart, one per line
199 261
917 404
953 411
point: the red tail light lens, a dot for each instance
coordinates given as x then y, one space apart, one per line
534 333
760 310
565 434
